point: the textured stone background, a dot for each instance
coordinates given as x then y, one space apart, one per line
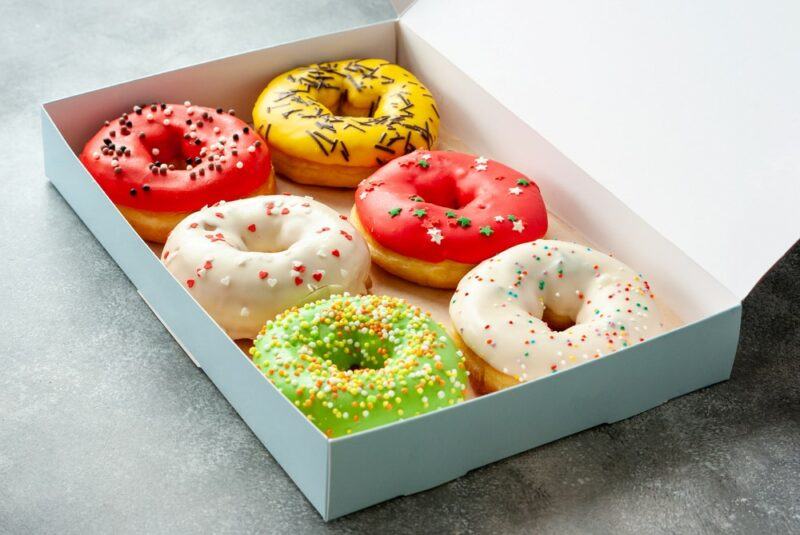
106 426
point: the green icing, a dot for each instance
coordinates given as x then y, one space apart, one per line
351 363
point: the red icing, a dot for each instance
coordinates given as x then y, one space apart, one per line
449 182
176 191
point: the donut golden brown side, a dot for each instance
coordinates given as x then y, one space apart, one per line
445 274
156 226
482 377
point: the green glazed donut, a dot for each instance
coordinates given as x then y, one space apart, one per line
351 363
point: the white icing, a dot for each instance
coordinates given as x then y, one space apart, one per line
498 306
243 278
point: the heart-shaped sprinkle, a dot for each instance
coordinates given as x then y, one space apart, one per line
298 281
190 283
263 274
335 253
318 275
225 281
207 265
251 228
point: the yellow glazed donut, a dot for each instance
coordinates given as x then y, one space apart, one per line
335 123
546 306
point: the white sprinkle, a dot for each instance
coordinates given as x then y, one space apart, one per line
168 111
166 122
436 235
272 282
245 312
251 149
225 281
187 103
239 165
515 191
150 117
155 151
96 155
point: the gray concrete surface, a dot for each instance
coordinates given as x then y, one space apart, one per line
106 426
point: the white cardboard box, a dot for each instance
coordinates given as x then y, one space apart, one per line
645 99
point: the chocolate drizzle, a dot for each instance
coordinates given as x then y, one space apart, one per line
394 113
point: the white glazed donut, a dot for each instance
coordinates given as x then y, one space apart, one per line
498 307
245 261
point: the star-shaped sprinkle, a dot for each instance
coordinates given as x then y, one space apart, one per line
423 163
463 222
436 235
421 212
512 217
481 167
480 160
486 231
416 198
363 195
425 156
523 182
450 214
499 218
518 226
394 212
515 191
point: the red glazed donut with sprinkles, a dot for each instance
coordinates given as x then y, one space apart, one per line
431 216
161 162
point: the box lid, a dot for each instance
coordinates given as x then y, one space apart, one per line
687 111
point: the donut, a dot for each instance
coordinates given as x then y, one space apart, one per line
430 217
335 123
161 162
245 261
544 307
351 363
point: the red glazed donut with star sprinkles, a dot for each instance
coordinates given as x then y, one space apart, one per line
161 162
431 216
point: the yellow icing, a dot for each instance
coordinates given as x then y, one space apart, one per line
347 113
